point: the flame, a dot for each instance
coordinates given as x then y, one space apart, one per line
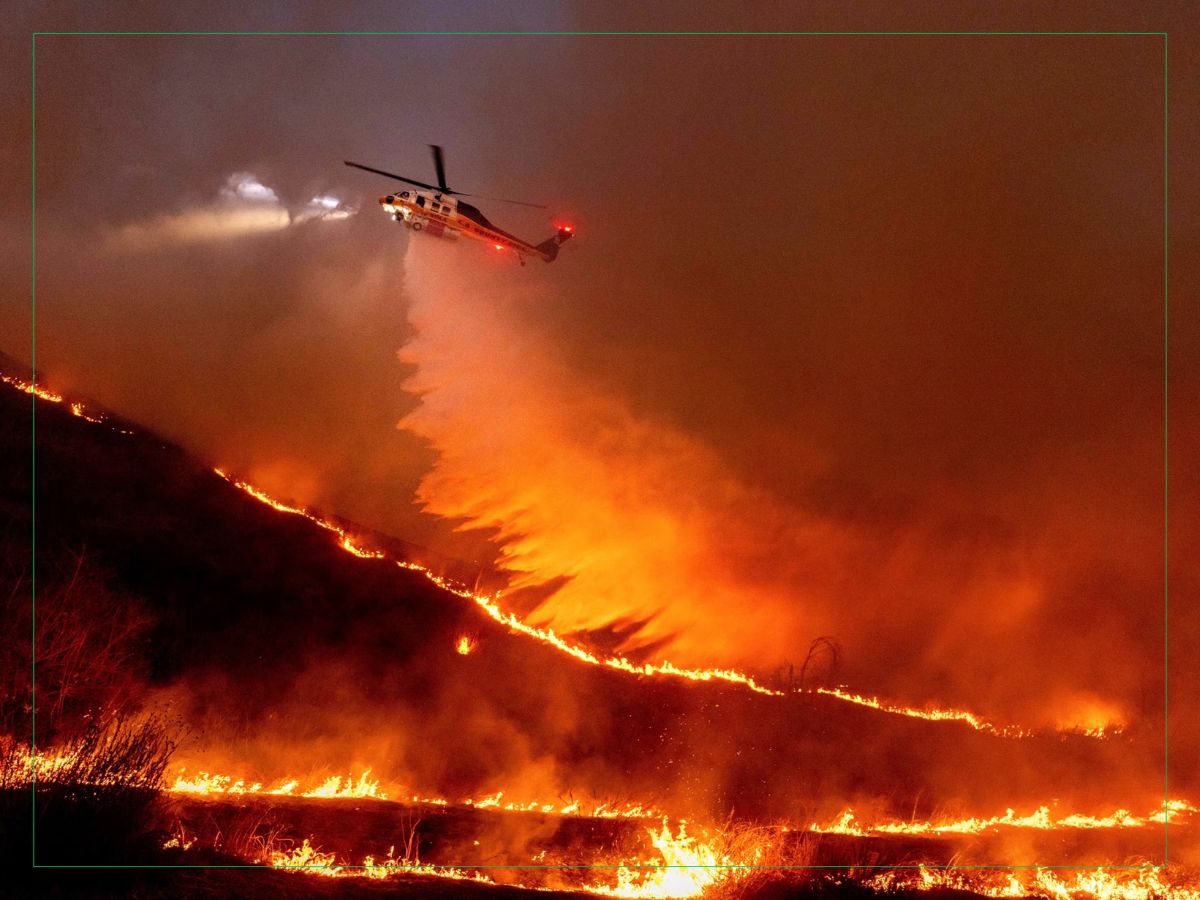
77 409
42 393
213 785
603 810
688 865
687 868
310 860
203 783
930 714
364 787
1041 819
333 787
547 635
29 765
685 865
1090 715
31 388
488 603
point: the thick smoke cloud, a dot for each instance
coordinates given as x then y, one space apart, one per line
873 326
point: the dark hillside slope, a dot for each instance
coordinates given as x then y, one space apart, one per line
283 654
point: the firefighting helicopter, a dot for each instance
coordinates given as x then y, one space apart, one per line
437 211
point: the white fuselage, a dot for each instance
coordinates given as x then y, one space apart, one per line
438 215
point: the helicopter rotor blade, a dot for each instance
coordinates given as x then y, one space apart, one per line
441 168
502 200
422 184
441 178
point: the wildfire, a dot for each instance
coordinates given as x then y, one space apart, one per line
363 787
686 867
931 714
570 808
31 388
42 393
333 787
682 864
77 409
488 603
490 606
29 766
1041 819
311 861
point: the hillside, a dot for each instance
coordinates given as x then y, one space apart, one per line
275 653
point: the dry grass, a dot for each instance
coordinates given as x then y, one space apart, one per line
88 652
97 801
774 861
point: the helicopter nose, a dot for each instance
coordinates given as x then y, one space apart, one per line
388 200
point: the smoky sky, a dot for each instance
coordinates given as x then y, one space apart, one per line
906 287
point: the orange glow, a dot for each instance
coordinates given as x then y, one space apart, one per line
204 784
931 714
687 863
309 860
464 645
42 393
488 603
1091 715
1041 819
683 866
686 867
335 787
665 668
30 388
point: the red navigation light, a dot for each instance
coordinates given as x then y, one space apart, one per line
499 246
567 228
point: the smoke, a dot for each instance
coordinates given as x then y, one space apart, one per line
608 521
245 206
639 534
904 392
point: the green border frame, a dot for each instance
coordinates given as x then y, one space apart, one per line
1164 35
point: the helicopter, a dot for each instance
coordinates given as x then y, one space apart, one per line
437 211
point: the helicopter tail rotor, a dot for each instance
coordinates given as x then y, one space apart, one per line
549 248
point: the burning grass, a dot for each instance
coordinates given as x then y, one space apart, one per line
93 800
108 779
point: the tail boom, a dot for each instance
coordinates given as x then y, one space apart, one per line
548 249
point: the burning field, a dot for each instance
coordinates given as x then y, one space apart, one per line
800 531
274 686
